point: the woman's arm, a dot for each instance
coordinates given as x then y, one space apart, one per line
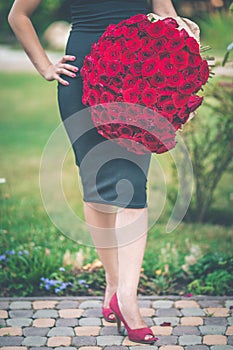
163 8
19 20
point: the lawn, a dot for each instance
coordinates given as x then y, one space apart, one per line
35 247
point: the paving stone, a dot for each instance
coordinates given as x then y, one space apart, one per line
31 331
21 313
70 313
189 340
89 348
11 341
191 321
34 341
103 340
70 304
19 322
169 312
127 342
221 347
192 311
90 304
230 321
218 321
162 304
3 314
217 311
44 322
230 340
228 303
15 348
41 348
183 304
84 341
92 312
212 329
82 331
44 304
4 305
143 347
144 303
171 347
109 324
147 312
159 330
185 330
10 331
47 313
210 303
90 321
167 340
21 305
2 322
59 341
61 331
108 330
68 348
196 347
148 321
116 347
214 339
159 320
66 322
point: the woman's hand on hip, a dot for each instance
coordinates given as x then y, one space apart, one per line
54 71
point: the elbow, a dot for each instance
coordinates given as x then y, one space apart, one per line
11 19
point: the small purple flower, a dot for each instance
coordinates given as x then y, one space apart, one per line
62 269
57 290
10 252
2 257
82 282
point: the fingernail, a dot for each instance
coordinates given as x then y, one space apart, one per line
73 75
66 83
73 57
75 69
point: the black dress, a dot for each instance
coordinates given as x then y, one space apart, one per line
110 174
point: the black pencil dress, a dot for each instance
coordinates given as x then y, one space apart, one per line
110 174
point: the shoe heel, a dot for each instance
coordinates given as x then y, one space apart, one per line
118 324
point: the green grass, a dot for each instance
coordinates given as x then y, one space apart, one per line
29 114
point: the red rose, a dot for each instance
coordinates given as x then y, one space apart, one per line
183 115
150 67
204 72
158 79
113 52
149 96
194 60
194 102
192 45
175 79
170 22
113 68
159 44
179 100
116 84
168 110
175 44
164 148
184 34
179 59
171 32
93 97
163 97
129 32
142 26
128 57
188 87
136 68
131 95
125 131
146 53
133 45
106 97
156 29
149 140
142 84
137 19
190 73
129 82
166 67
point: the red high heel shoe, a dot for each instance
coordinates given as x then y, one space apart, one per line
107 312
136 335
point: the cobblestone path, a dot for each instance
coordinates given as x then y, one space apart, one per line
196 323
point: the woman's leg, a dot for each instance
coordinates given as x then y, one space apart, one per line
101 223
131 227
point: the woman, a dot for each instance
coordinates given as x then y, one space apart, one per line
122 262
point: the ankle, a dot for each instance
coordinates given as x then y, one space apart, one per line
125 294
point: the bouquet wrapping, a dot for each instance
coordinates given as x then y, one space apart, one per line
141 79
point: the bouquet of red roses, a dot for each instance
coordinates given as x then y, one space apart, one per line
141 79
